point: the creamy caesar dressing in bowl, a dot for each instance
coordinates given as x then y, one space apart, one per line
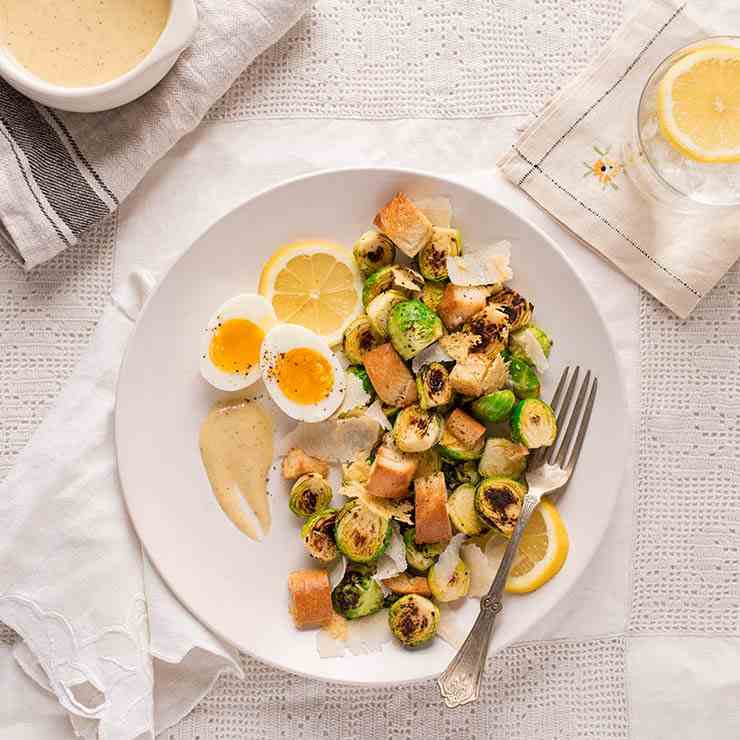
91 55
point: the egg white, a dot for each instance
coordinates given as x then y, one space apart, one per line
282 339
250 306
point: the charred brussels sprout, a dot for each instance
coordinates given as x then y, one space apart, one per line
372 251
361 373
461 472
449 586
412 326
421 557
533 423
359 339
494 407
517 308
433 385
461 507
428 463
503 457
432 294
379 309
413 619
519 341
357 595
498 502
391 412
361 535
416 430
523 379
433 256
318 535
451 448
490 328
309 495
394 277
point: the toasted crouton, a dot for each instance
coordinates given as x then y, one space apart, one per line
496 376
465 428
459 344
391 473
491 328
404 224
468 377
390 377
310 598
459 304
405 584
431 519
297 463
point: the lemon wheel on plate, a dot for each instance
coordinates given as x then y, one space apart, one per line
314 284
699 104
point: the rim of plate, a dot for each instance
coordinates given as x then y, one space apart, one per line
624 433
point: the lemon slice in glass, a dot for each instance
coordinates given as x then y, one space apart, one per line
314 284
699 104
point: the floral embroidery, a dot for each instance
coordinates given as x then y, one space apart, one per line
604 169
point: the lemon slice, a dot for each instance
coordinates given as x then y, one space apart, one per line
542 550
314 284
699 104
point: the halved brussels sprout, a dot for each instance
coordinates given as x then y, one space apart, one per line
433 256
461 507
404 279
416 430
359 339
498 502
428 463
460 472
310 494
413 619
503 457
490 327
361 535
444 589
432 293
318 535
523 379
361 373
433 385
412 326
533 423
517 308
379 309
516 342
494 407
451 448
372 251
357 595
391 412
421 557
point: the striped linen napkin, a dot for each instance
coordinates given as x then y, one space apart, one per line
61 173
570 161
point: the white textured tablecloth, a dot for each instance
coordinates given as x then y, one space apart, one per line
648 645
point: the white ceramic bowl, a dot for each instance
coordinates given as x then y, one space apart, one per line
176 36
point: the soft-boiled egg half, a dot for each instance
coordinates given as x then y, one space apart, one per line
301 373
231 343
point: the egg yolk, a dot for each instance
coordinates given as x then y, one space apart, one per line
304 376
235 346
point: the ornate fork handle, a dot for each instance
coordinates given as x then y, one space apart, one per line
460 682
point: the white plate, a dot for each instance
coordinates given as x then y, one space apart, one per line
237 586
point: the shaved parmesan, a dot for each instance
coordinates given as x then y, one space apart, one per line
333 440
444 568
496 376
337 572
393 560
375 412
388 507
482 572
495 549
533 349
358 471
433 353
355 394
369 634
484 267
449 628
437 209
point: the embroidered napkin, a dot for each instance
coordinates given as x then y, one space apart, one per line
570 162
61 173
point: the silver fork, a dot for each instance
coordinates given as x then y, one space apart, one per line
547 472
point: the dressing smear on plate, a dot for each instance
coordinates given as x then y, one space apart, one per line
236 444
78 43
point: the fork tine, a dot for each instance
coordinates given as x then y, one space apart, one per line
573 459
573 423
563 412
536 458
